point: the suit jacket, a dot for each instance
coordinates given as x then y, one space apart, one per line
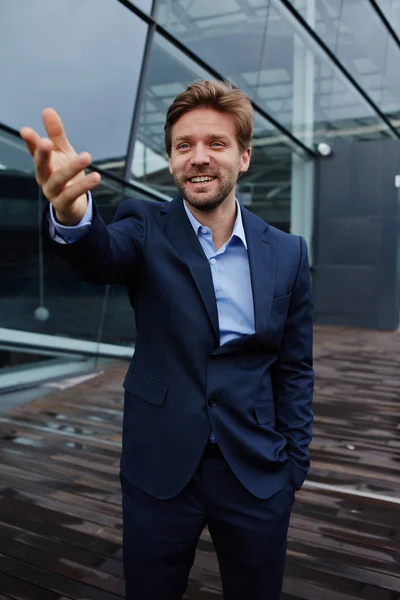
255 392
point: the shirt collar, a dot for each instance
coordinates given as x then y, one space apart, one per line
238 229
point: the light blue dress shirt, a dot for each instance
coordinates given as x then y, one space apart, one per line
229 266
230 272
67 235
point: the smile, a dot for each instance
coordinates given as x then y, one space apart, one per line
202 179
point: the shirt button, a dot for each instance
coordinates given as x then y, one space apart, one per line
213 401
213 261
203 230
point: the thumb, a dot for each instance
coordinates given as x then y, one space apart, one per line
55 130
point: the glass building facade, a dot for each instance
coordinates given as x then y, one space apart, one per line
111 71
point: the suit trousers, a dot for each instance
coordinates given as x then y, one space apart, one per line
249 535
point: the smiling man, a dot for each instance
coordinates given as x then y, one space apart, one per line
218 396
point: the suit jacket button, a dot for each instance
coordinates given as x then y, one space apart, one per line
213 401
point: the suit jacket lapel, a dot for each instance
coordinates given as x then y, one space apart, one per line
262 260
181 235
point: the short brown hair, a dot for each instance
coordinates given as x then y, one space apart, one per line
219 95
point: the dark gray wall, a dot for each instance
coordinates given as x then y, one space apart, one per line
357 236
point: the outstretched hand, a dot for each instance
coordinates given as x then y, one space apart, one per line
59 170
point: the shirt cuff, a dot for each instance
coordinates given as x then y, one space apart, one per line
64 234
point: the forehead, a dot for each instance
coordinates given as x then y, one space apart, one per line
204 121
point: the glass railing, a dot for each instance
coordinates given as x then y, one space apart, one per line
45 313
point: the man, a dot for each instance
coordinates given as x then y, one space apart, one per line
217 417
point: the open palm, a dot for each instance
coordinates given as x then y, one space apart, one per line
59 169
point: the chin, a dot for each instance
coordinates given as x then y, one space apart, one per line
204 204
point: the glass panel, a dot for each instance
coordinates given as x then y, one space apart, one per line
169 72
262 49
88 69
391 10
39 294
264 189
348 28
144 5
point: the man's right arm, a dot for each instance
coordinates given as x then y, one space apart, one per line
101 254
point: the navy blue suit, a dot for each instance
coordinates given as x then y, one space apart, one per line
255 393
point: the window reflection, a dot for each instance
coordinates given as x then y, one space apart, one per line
264 189
33 276
262 49
144 5
88 69
169 72
348 29
391 10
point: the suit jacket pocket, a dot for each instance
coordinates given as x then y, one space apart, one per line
144 388
265 412
281 302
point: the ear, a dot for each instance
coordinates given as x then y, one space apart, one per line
245 160
171 169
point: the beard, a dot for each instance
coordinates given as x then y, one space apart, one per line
202 198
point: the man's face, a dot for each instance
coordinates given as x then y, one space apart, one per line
205 159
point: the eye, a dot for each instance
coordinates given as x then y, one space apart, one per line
218 144
183 146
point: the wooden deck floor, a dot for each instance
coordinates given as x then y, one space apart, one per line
60 515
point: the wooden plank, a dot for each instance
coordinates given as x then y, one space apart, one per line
65 493
55 517
17 589
61 502
63 566
61 532
58 547
52 581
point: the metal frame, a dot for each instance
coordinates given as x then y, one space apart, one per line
155 27
139 99
154 9
134 186
288 134
18 338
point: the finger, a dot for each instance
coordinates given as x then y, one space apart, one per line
55 129
75 190
60 178
30 137
42 159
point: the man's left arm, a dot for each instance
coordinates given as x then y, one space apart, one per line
293 374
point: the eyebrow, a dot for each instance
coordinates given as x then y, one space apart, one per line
185 138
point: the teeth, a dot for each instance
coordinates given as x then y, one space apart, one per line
201 179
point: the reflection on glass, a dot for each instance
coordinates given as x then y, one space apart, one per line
264 189
39 293
88 69
261 48
348 29
169 73
144 5
391 10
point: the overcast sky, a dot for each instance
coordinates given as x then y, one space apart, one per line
81 57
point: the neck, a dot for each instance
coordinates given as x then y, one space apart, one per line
220 220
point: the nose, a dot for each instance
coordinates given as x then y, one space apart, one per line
200 155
